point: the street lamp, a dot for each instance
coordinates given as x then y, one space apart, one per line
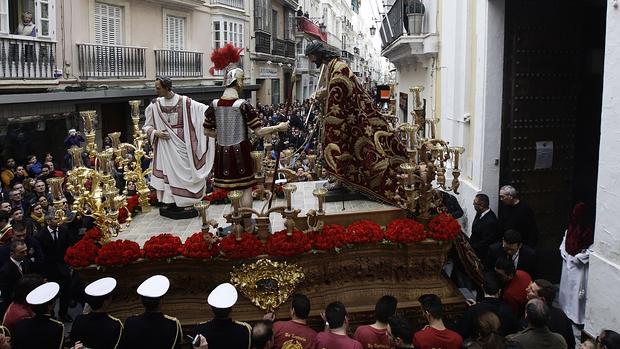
373 30
322 27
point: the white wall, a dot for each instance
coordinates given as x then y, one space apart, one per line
475 33
604 277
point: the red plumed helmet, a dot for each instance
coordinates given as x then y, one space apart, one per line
224 56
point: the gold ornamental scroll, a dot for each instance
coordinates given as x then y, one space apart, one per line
267 284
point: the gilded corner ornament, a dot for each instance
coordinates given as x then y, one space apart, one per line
267 284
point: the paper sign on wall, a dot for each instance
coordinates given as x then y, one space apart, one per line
544 155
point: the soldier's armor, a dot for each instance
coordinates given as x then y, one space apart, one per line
231 127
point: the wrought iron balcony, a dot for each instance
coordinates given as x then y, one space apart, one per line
111 61
231 3
27 58
279 47
183 64
263 42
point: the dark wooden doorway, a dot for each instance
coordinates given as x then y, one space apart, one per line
553 66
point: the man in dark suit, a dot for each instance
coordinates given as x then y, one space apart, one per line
512 247
11 272
54 241
34 256
484 229
517 214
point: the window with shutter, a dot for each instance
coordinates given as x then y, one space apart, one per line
175 33
45 16
108 24
108 31
227 31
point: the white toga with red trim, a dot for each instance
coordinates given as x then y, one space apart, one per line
182 163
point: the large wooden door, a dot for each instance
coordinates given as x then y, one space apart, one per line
550 101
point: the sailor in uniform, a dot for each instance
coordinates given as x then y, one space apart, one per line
97 329
222 332
152 329
40 331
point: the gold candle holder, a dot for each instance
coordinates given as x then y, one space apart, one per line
202 208
88 117
407 169
76 156
258 157
416 96
55 185
103 161
456 153
116 139
289 189
135 108
320 193
237 218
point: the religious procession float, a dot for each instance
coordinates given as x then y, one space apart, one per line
352 257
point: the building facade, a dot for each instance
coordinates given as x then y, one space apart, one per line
98 54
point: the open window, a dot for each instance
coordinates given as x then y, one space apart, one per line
30 18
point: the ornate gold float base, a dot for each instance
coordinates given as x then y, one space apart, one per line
357 277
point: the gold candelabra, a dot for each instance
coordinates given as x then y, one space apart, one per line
429 160
94 189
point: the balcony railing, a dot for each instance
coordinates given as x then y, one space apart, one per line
263 42
231 3
290 48
181 64
27 58
347 55
111 61
279 47
392 25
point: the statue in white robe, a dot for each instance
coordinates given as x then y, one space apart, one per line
182 155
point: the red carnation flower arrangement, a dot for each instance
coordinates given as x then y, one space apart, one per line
363 232
249 246
196 246
82 254
282 245
217 197
331 237
405 231
443 227
162 246
119 252
94 234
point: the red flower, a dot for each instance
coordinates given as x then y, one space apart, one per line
443 227
249 246
197 247
332 236
281 245
119 252
363 232
82 254
94 234
123 212
405 231
162 246
218 196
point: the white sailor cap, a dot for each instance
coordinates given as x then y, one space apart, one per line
154 287
43 293
223 296
101 287
72 131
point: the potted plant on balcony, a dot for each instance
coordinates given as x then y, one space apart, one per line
415 16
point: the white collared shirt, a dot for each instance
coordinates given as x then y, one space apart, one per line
485 212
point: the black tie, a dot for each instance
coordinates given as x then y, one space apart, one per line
54 235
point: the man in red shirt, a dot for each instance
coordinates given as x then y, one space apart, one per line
295 333
435 335
335 337
375 336
515 285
